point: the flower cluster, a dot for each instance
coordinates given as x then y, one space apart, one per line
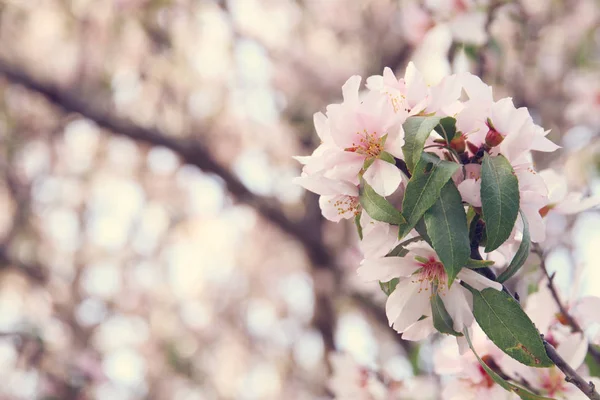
434 176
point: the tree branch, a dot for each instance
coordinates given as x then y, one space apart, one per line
192 152
571 376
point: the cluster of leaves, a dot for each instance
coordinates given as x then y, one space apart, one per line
433 206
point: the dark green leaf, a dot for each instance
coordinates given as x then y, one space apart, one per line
521 255
378 207
447 128
422 230
442 321
446 224
474 264
385 156
499 198
388 287
507 325
521 392
416 132
423 188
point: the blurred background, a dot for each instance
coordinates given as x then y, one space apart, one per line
152 244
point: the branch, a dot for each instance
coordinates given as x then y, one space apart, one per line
571 376
575 327
192 152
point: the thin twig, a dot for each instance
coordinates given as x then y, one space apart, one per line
571 376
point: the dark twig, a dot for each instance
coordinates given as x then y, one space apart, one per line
571 376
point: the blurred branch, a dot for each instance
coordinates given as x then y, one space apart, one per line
561 307
192 152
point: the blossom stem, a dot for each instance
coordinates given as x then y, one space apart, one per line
571 376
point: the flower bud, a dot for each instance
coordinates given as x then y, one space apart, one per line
493 138
458 143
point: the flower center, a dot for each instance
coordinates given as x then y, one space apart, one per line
346 204
431 272
368 144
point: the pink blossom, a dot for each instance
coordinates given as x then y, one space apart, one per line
410 300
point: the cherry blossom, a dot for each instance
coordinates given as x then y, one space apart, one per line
410 300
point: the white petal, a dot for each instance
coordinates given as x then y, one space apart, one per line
470 191
325 186
419 330
350 91
383 177
398 299
385 268
573 349
458 307
537 226
414 309
477 281
542 143
322 126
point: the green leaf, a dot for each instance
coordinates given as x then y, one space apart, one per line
447 128
499 198
507 325
442 321
527 395
591 362
521 392
358 225
388 287
423 188
474 264
521 255
385 156
416 132
378 207
446 224
422 231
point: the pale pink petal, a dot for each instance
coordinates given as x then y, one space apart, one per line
398 299
537 227
542 143
573 349
383 177
350 91
470 191
336 208
455 300
325 186
587 310
542 308
386 268
414 309
419 330
477 281
416 88
322 126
